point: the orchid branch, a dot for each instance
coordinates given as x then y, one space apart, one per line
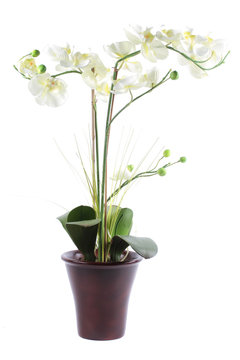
97 155
197 62
101 246
62 73
95 205
68 72
164 79
143 174
103 209
127 57
28 78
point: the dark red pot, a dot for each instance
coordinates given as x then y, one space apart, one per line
101 293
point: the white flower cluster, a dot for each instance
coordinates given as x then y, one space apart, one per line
153 45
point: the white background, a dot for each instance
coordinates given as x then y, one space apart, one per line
185 301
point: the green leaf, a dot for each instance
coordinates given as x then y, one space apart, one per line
118 245
145 247
124 222
77 214
112 214
84 233
84 223
82 226
120 220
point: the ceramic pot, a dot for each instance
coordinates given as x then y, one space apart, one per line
101 292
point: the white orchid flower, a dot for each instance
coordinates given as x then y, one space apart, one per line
96 64
195 46
139 35
196 72
67 58
132 66
120 49
152 48
190 45
103 90
60 54
152 77
169 36
95 72
103 87
48 90
200 48
203 48
80 60
28 66
132 82
210 49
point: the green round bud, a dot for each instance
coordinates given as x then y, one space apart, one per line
183 159
41 69
35 53
130 168
166 153
161 172
174 75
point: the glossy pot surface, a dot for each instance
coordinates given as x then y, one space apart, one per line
101 293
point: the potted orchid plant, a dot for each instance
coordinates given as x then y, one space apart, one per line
102 269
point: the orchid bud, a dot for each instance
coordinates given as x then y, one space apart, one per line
35 53
166 153
41 69
183 159
130 168
161 172
174 75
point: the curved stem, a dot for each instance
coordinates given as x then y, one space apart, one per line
197 62
164 79
25 56
21 73
68 72
63 73
157 163
125 183
127 57
143 174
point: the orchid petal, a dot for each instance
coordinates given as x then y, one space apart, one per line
132 38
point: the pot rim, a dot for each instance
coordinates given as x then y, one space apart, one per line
70 258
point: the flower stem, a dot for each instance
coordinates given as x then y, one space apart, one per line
105 196
68 72
93 149
197 62
127 57
62 73
28 78
125 183
148 173
97 158
101 232
103 214
102 246
25 56
164 79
